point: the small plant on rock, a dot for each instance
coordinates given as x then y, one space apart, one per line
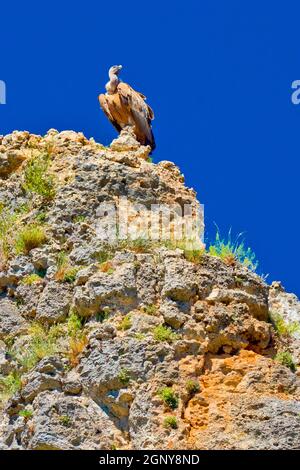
26 414
282 327
70 274
124 376
192 387
169 397
7 220
9 385
125 323
103 314
150 309
42 343
78 219
163 333
65 272
41 217
31 279
29 237
140 336
231 251
76 347
75 324
170 422
37 179
65 420
78 338
107 267
285 358
103 255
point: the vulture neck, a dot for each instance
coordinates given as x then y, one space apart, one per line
111 87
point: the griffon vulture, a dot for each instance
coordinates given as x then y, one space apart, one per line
126 107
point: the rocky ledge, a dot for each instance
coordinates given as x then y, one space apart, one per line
130 344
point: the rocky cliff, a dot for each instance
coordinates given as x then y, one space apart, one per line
130 343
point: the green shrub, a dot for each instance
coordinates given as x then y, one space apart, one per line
169 397
78 219
26 414
124 376
36 177
107 267
125 323
163 333
23 209
9 385
103 314
282 327
29 237
41 217
285 358
31 279
150 309
70 274
7 220
140 336
65 272
192 386
65 420
75 324
231 251
103 255
170 422
42 343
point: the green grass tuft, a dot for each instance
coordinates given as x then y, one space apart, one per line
285 358
282 327
9 385
230 251
26 414
162 333
124 376
150 309
192 387
170 422
36 177
29 237
125 323
31 279
169 397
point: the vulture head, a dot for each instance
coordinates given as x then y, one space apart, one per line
114 70
114 81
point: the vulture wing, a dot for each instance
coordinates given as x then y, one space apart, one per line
141 114
105 105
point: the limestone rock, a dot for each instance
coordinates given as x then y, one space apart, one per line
54 303
136 344
10 161
286 306
11 321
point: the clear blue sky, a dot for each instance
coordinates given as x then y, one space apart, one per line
218 75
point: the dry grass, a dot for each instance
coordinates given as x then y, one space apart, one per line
29 237
76 347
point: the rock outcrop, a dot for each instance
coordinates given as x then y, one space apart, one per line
123 343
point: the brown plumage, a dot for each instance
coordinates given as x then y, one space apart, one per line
126 107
